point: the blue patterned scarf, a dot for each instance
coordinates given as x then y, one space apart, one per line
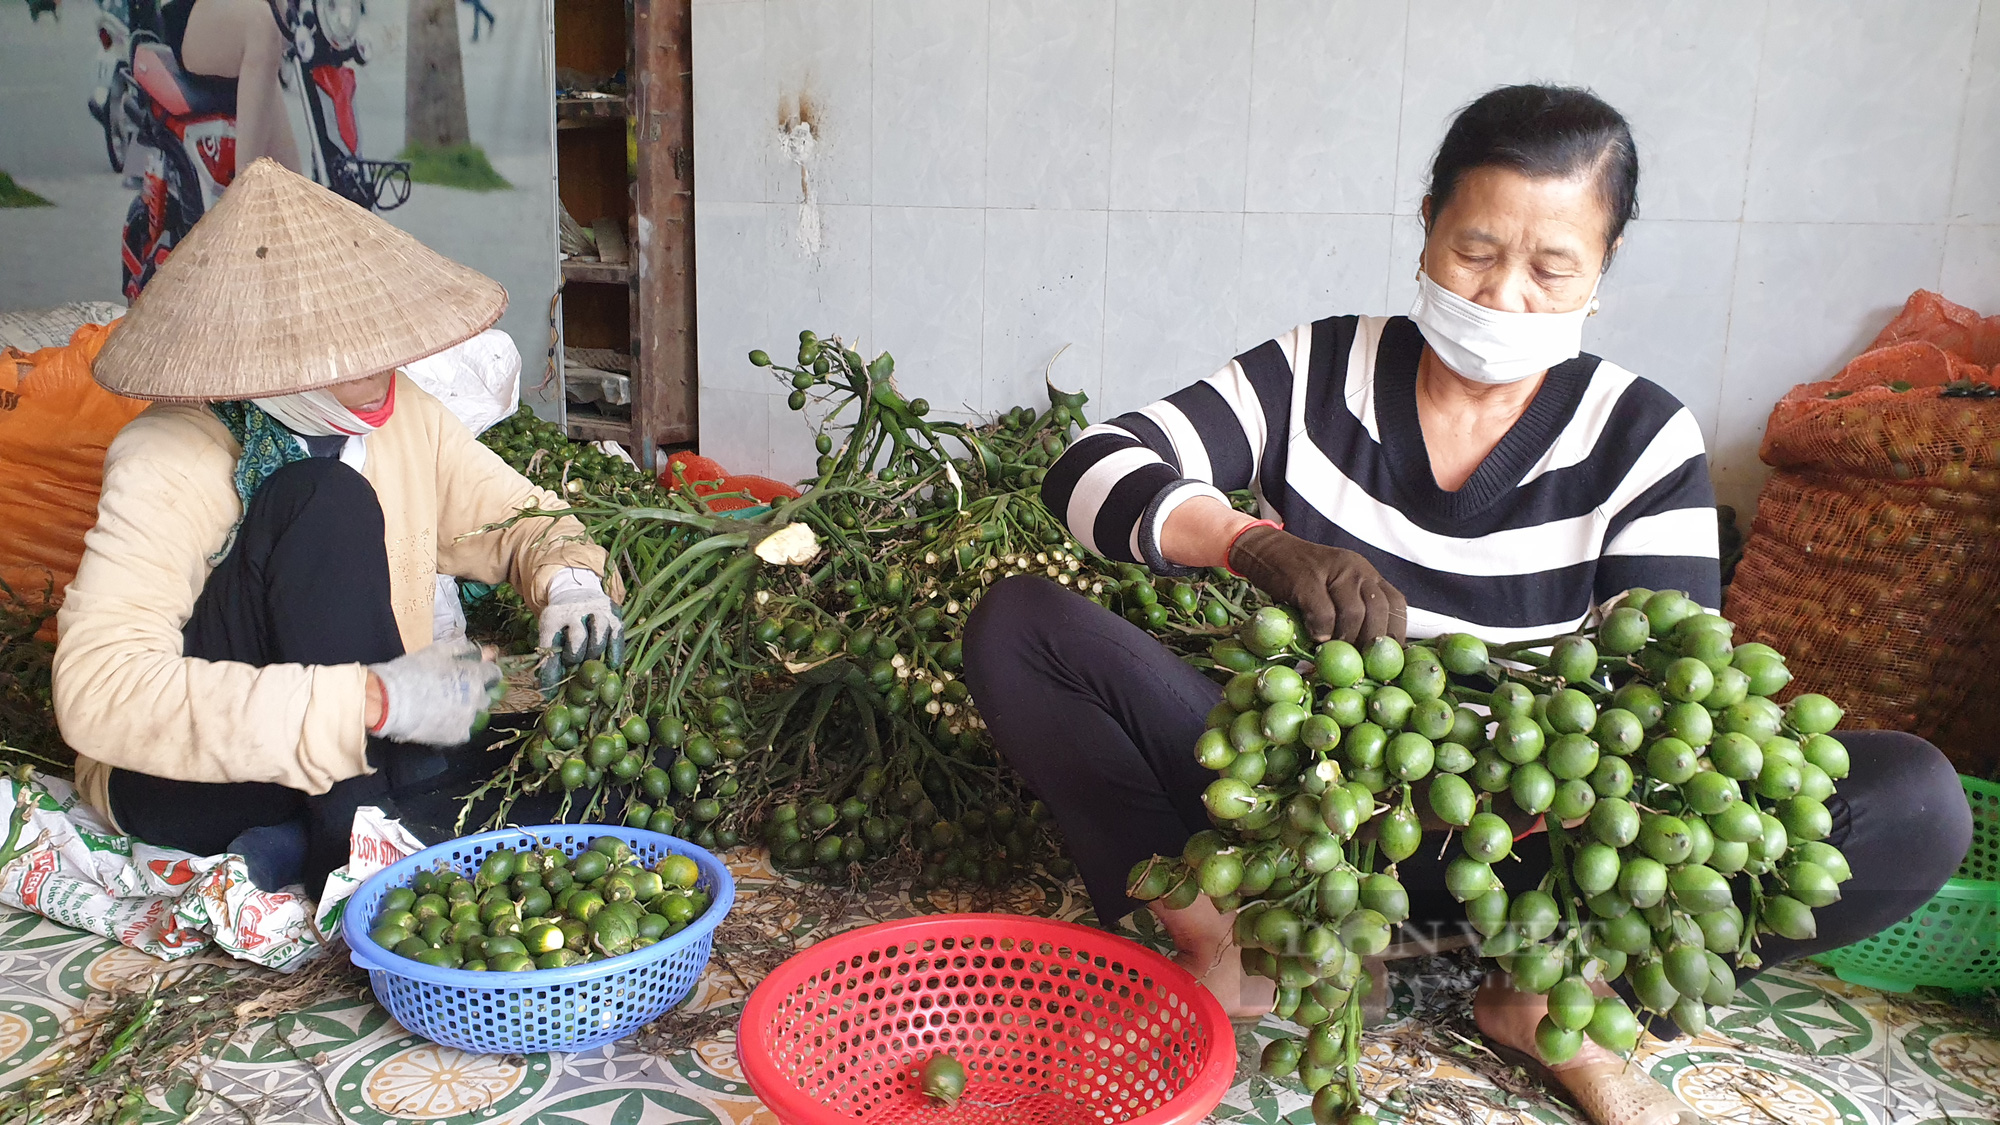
267 447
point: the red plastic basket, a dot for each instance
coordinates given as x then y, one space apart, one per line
1054 1023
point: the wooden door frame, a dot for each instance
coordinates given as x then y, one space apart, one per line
664 408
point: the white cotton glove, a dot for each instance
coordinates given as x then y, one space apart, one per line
579 618
433 695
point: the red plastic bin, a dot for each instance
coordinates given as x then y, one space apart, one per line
1055 1023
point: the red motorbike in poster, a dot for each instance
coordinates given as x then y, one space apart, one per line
184 125
110 101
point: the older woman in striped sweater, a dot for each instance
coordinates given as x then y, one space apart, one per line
1465 467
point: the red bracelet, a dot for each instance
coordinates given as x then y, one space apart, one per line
1231 547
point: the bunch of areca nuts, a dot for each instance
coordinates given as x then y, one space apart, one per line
1685 812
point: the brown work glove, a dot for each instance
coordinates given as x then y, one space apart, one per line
1340 593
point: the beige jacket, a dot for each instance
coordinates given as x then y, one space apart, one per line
125 697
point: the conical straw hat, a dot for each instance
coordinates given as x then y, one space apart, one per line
287 287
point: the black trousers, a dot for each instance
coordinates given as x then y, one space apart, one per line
1101 719
306 582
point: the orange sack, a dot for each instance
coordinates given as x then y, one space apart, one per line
1871 562
707 477
55 423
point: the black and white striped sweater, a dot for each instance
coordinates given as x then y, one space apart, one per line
1602 485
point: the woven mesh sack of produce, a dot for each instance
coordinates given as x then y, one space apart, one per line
1872 557
55 424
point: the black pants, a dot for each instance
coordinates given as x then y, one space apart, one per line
1101 720
306 582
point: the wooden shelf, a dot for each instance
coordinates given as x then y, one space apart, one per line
596 427
644 309
599 316
596 272
682 434
584 113
591 176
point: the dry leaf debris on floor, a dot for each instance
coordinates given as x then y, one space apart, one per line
212 1041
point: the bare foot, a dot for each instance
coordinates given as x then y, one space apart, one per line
1205 944
1243 995
1509 1018
1604 1086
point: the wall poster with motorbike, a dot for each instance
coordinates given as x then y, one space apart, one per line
123 121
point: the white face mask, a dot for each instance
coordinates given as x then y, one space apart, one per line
1489 346
314 414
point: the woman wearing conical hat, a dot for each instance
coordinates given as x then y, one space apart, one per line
246 654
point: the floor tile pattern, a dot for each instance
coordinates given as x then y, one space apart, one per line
1799 1047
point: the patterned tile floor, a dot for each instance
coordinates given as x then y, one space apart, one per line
1799 1048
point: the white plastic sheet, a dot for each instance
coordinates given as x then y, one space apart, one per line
73 869
35 329
479 380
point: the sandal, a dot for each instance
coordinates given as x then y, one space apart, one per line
1613 1093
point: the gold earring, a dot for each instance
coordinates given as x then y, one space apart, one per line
1594 306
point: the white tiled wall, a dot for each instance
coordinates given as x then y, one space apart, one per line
1150 186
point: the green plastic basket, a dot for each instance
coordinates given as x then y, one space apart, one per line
1953 941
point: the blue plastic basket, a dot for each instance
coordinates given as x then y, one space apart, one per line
569 1009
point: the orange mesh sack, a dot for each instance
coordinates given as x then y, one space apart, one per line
1870 562
708 478
55 423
